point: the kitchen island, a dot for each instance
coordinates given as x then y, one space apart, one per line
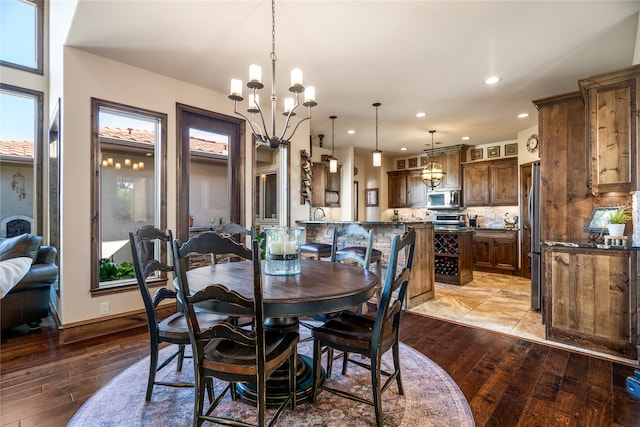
422 280
591 296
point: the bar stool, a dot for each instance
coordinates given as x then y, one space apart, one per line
315 250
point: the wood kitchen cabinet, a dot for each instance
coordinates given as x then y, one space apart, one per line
612 121
491 183
495 251
325 186
591 298
451 160
406 189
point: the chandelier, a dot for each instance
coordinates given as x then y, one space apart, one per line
377 154
124 174
433 174
333 162
257 121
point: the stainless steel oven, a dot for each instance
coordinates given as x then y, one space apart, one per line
448 221
443 199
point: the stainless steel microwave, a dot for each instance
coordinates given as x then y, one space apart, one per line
443 199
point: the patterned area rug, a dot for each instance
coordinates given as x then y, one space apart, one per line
431 398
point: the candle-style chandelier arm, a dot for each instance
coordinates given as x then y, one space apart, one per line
258 133
286 125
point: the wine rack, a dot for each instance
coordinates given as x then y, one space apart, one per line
453 256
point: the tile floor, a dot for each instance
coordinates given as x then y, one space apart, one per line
496 302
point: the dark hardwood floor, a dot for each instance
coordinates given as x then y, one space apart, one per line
507 381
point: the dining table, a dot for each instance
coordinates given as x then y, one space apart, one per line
321 287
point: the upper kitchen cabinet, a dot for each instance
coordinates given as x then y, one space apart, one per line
491 183
612 107
451 159
325 186
406 189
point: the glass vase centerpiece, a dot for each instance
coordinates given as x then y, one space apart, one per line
282 250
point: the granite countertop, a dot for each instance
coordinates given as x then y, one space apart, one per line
495 228
588 244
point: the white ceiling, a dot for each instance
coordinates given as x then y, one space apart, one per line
430 56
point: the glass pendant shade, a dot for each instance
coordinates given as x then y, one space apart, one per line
433 174
333 165
377 158
377 154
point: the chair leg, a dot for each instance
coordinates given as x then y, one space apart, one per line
345 360
153 366
396 365
375 385
198 406
329 361
180 358
317 354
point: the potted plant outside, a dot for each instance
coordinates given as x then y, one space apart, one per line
617 220
190 220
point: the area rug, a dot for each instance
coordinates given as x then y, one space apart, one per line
431 398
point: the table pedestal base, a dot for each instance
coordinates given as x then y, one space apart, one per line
278 385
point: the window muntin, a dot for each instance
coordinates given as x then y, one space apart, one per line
21 34
130 153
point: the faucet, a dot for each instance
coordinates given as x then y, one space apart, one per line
315 211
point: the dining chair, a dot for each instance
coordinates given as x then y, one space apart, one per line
227 352
149 268
371 337
354 244
232 230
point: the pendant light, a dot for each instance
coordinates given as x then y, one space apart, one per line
433 174
333 162
377 154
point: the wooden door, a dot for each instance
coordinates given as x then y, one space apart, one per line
397 189
504 183
476 185
525 243
417 191
482 249
506 253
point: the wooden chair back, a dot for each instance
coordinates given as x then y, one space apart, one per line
352 236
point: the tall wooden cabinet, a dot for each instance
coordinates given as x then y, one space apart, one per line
491 183
612 122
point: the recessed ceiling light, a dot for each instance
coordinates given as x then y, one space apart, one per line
523 115
492 80
420 114
351 131
403 149
466 138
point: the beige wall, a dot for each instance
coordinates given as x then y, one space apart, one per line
87 76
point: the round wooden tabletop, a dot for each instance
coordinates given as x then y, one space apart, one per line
321 287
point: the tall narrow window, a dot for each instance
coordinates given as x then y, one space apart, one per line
129 158
21 29
20 143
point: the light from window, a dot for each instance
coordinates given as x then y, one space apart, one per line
20 34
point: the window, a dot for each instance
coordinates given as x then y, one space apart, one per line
20 145
129 188
266 197
21 29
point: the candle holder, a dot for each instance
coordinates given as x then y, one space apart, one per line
282 255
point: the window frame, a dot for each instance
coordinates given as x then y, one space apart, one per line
160 173
37 151
39 68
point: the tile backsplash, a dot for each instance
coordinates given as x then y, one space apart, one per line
487 216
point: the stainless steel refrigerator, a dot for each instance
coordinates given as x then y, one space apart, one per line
534 224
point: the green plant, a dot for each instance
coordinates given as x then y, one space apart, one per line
621 216
111 271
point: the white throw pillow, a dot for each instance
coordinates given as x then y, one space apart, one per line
11 272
